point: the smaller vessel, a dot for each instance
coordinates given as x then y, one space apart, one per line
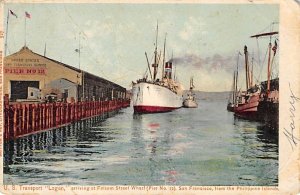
230 107
232 100
247 101
190 101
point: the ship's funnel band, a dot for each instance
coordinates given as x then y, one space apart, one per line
168 65
168 70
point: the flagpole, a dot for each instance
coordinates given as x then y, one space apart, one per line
45 49
25 29
5 49
82 72
79 50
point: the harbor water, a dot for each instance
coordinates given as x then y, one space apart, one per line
201 146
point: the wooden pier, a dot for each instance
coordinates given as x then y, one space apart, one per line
23 119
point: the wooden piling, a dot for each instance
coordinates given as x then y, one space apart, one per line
22 119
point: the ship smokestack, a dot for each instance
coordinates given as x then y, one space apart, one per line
168 70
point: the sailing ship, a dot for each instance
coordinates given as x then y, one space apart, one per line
259 102
231 99
247 101
190 101
156 95
268 108
233 95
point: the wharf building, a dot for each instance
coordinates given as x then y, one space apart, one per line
31 77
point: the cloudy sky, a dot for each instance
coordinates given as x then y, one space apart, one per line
203 38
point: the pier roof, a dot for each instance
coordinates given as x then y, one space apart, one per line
90 75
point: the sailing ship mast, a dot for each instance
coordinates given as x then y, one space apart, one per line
236 76
269 55
269 60
246 67
234 84
252 70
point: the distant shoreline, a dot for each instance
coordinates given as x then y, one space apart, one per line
197 91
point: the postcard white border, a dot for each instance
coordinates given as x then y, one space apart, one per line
289 71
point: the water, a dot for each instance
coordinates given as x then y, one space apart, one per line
203 146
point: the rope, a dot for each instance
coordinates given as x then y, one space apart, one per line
262 66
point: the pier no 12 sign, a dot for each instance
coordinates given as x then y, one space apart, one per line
19 66
25 71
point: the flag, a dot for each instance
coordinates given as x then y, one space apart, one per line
274 47
27 15
12 13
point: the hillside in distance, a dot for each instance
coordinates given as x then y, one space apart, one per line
202 95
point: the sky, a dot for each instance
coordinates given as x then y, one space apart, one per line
204 39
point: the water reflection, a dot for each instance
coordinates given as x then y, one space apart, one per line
137 135
153 138
267 135
186 147
37 147
260 143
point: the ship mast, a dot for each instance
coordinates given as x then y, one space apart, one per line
164 59
172 67
237 74
148 65
192 86
274 48
246 67
234 84
251 80
155 65
269 60
269 55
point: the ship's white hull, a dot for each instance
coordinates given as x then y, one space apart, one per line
188 103
152 98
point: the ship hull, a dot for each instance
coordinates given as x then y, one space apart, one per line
269 112
152 109
190 104
248 110
152 98
268 108
230 107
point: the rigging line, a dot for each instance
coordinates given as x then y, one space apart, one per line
270 26
266 28
257 79
86 38
273 24
146 72
262 66
242 81
258 52
273 67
